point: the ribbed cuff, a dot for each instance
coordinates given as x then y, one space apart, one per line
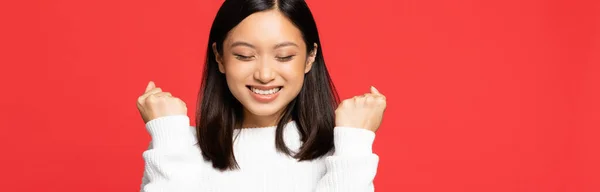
171 132
351 141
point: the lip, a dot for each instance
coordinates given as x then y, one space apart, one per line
263 87
264 98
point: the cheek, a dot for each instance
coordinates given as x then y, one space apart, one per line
294 73
236 75
237 71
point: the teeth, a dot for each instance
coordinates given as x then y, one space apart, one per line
265 92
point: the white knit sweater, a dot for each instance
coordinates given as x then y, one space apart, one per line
174 163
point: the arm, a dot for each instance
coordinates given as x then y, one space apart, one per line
173 161
353 166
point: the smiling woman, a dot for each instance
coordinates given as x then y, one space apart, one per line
263 58
269 118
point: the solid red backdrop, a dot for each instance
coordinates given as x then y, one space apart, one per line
482 95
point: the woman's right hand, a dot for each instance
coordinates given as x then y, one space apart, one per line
155 103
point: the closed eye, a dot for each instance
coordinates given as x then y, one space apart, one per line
243 57
284 59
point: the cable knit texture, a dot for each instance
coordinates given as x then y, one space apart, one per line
174 163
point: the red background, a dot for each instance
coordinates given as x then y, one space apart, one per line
482 95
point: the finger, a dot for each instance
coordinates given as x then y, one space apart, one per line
359 99
377 97
152 91
163 94
375 91
150 86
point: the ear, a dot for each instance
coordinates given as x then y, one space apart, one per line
311 58
218 58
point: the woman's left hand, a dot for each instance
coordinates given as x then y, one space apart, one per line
365 111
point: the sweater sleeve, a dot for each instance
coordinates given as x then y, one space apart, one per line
172 160
353 165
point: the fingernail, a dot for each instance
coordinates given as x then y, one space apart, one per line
149 85
374 89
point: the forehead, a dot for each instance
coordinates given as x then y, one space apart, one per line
265 28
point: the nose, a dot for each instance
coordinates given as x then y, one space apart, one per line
265 72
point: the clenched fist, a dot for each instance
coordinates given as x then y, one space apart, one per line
365 111
155 103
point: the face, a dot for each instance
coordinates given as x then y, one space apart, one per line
264 60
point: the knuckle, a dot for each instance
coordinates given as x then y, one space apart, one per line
151 99
382 103
344 102
179 100
360 99
350 101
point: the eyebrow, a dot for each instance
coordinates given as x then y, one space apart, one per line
241 43
287 43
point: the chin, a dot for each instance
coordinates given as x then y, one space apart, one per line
265 110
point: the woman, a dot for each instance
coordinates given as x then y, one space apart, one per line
268 116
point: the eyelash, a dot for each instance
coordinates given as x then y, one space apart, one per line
285 59
247 58
242 57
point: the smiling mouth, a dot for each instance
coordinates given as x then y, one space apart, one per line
264 90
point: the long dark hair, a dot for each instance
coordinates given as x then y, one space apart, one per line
219 113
